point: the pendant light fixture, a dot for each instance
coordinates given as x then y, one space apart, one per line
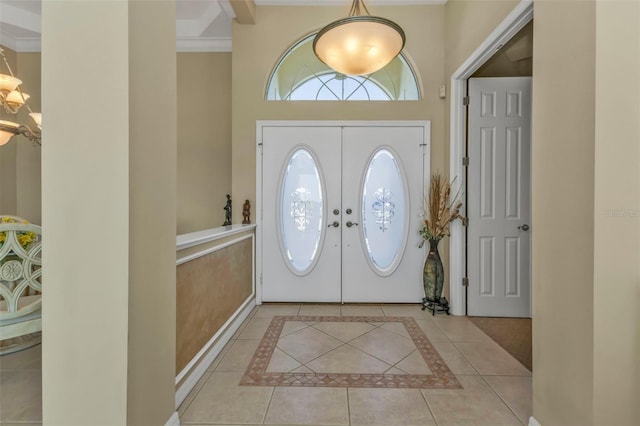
360 43
12 98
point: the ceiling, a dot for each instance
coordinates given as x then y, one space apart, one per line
201 25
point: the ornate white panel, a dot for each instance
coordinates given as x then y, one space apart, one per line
488 104
512 266
487 266
487 171
513 157
514 104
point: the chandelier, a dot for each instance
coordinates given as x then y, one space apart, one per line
13 98
360 43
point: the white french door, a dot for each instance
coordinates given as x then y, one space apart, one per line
499 202
341 209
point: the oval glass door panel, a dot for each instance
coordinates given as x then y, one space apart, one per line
383 212
301 207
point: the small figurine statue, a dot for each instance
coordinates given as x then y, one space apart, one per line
227 212
246 213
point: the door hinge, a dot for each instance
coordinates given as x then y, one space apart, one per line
465 282
465 161
465 101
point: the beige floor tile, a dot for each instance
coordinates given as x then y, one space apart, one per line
320 310
189 399
307 344
28 359
221 355
308 406
384 345
303 369
432 331
21 396
408 310
454 359
414 364
516 392
238 356
344 331
398 328
270 311
460 329
362 311
221 400
292 326
347 359
488 358
281 362
388 407
476 404
255 329
21 424
395 370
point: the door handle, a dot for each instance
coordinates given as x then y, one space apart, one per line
524 227
334 224
350 224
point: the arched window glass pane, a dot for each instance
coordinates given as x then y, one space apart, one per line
299 76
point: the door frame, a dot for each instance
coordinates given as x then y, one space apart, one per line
260 124
520 16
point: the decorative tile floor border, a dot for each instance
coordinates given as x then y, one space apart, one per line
441 377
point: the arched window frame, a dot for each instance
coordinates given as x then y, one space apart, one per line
390 89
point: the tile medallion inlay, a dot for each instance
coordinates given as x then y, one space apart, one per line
256 374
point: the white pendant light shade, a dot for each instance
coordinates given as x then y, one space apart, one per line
17 98
359 44
37 118
7 130
9 83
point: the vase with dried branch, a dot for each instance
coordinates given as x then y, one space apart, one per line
443 209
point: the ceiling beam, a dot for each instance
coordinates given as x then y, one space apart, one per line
245 11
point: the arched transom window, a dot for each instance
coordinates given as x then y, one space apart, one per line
300 76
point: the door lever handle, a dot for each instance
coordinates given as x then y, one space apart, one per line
524 227
350 224
334 224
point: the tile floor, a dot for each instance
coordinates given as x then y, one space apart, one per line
496 389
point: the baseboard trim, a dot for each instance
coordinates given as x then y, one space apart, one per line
222 337
174 420
533 422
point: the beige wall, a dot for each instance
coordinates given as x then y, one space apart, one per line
85 202
152 212
109 213
204 140
616 266
28 174
563 238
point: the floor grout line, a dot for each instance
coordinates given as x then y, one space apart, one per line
264 418
502 399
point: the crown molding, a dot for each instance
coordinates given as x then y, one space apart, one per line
20 45
203 44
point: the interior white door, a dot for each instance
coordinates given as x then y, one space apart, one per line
301 185
341 209
499 197
382 197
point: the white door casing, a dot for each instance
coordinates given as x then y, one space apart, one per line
343 152
499 203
